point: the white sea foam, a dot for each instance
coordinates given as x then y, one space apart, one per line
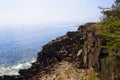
22 44
13 70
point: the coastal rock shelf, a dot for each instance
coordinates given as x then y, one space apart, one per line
81 48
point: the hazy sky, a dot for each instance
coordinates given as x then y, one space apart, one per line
40 12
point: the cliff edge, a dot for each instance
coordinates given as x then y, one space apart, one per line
75 56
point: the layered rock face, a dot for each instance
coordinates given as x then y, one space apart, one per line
82 48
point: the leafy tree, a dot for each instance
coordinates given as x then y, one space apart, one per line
111 28
114 12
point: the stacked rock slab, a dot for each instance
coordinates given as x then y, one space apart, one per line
82 47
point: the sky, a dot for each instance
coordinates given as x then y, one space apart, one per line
42 12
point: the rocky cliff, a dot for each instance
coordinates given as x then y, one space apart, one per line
81 48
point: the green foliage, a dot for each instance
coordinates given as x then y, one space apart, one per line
112 54
92 79
114 43
59 78
103 60
110 27
114 12
117 1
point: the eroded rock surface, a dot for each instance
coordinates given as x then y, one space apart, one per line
81 48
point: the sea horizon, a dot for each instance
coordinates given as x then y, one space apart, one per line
19 45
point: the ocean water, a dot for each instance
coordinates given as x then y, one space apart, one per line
19 45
